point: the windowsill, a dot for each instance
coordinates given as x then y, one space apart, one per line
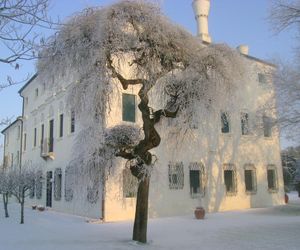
268 138
59 139
71 134
272 191
129 198
229 134
231 194
128 122
264 85
251 192
196 196
246 135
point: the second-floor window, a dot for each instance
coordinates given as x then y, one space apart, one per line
128 108
34 137
267 126
25 141
225 123
61 125
42 134
72 128
26 101
12 159
51 135
19 132
245 123
36 93
262 78
7 138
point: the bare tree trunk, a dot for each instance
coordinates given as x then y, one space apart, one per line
5 202
141 212
22 206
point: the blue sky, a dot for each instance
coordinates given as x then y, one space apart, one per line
233 22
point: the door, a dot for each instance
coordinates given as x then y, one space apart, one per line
49 189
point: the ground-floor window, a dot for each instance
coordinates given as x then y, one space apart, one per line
32 190
230 179
39 185
57 184
196 179
69 183
250 179
176 175
272 178
130 184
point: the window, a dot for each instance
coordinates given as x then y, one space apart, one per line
262 78
36 93
130 184
25 142
245 123
42 134
230 179
18 158
19 132
267 126
176 175
34 137
61 125
39 185
72 128
51 135
26 101
225 126
57 184
12 159
196 179
69 183
7 138
32 190
128 108
272 178
250 179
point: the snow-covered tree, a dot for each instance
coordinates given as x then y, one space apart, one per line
22 181
20 22
131 43
285 14
5 189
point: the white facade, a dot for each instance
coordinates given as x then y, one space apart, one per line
46 121
12 145
213 155
212 152
222 165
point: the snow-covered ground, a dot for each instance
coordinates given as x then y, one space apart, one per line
264 228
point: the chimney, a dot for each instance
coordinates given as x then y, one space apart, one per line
243 49
201 10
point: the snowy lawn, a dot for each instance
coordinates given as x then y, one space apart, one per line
264 228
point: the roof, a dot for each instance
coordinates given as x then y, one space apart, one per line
27 83
260 60
10 125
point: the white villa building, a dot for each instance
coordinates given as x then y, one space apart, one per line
12 144
229 166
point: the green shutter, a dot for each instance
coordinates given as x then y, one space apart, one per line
128 113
